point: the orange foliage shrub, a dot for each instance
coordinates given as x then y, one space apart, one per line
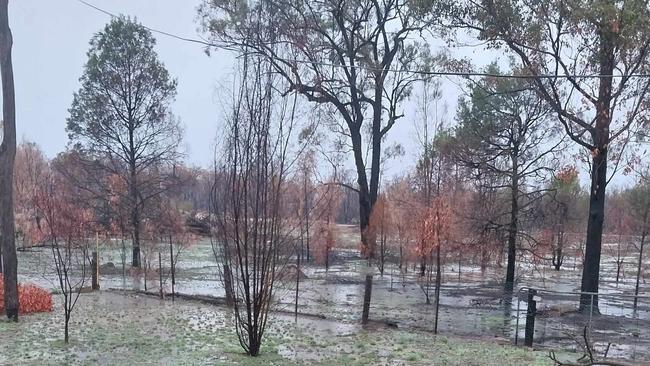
33 299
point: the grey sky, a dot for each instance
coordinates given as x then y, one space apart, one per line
50 44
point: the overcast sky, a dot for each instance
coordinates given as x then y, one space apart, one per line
50 44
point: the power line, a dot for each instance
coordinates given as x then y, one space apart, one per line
371 69
192 40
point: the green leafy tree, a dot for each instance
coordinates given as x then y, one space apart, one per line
504 133
120 119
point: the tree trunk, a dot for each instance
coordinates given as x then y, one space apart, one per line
228 286
172 267
512 230
558 258
7 158
600 137
365 205
135 222
135 209
638 268
297 281
591 267
306 209
437 293
66 336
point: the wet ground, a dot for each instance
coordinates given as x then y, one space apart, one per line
471 301
110 328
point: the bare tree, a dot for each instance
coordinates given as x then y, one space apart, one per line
66 226
7 157
340 55
559 211
252 235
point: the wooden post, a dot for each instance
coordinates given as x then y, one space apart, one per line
366 299
160 274
530 317
94 265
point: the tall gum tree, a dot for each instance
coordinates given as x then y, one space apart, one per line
7 158
558 43
339 55
119 118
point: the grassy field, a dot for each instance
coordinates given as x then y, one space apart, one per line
114 329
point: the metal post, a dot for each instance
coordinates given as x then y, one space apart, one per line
530 317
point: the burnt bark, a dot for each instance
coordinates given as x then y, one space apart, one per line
7 158
638 268
593 246
513 226
600 136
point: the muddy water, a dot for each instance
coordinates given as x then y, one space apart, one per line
471 301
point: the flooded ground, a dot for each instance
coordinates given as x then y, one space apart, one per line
471 303
110 328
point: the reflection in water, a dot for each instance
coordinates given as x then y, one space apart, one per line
472 302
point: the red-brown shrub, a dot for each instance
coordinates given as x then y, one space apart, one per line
33 299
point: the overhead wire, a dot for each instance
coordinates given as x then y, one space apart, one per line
465 74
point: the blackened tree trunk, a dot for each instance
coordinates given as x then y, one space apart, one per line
437 291
7 157
593 247
600 136
639 264
558 250
601 140
365 199
513 227
135 211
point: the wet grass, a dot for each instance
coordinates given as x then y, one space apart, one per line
114 329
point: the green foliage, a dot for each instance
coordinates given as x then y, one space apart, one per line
125 91
503 125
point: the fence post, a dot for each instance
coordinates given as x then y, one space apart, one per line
530 317
160 274
366 299
173 269
94 265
